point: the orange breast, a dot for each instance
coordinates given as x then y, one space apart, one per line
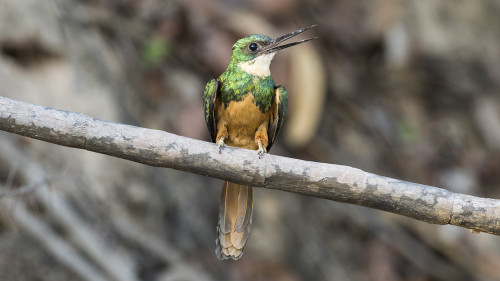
242 118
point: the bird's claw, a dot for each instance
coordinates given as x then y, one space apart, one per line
261 153
261 149
220 144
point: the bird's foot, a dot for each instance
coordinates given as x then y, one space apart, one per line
261 149
220 144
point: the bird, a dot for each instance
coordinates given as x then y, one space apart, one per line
244 108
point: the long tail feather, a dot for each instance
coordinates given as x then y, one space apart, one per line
235 220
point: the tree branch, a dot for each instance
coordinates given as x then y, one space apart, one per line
327 181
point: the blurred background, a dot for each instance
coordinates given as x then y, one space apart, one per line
405 89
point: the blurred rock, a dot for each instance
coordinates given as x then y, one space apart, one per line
487 118
31 22
277 10
459 180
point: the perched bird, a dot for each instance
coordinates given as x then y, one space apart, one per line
244 108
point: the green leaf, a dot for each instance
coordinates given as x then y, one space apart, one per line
155 51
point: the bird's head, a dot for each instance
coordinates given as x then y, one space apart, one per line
254 53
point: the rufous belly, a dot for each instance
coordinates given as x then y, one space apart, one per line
242 119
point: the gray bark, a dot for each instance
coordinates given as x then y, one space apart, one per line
327 181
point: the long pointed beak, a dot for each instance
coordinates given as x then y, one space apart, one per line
273 46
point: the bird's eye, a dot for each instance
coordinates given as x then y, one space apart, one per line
253 47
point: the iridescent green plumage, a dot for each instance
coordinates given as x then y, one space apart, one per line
235 84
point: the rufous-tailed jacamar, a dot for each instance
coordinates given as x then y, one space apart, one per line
244 108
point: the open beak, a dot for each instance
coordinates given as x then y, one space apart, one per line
273 46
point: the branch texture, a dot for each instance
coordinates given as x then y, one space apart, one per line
327 181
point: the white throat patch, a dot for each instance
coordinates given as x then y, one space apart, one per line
258 66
